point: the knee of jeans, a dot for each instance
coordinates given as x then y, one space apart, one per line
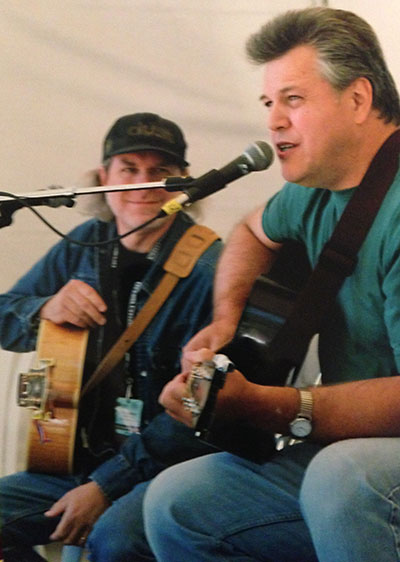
169 494
333 479
158 498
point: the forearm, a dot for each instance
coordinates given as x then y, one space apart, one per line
367 408
247 254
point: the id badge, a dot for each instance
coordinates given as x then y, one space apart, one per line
128 416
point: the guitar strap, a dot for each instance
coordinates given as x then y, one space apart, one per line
179 264
339 256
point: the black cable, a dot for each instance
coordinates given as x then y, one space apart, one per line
23 202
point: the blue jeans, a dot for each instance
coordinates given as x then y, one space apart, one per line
221 507
117 536
351 499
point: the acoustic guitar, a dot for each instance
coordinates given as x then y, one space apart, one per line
51 390
268 306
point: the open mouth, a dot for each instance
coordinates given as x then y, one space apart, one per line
285 146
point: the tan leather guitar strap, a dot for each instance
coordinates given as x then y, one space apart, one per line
178 265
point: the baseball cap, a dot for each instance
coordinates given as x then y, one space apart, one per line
145 131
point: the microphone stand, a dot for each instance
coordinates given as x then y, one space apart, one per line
56 196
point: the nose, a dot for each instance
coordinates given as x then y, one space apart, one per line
143 176
277 118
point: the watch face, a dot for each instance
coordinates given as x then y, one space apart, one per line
300 427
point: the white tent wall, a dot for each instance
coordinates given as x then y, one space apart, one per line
69 69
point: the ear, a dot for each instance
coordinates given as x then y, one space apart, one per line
102 172
361 96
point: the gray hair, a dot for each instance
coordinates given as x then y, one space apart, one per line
93 204
347 48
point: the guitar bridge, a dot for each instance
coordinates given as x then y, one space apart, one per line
33 387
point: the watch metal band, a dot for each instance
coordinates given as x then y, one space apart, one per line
306 404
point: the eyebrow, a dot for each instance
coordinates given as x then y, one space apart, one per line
282 91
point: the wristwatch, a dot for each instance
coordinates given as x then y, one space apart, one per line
301 426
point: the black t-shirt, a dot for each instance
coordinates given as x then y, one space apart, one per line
132 267
119 279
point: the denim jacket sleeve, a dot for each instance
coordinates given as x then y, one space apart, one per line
142 456
20 305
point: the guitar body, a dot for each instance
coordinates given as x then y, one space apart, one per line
203 385
267 309
269 305
52 390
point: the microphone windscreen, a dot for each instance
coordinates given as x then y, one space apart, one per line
260 155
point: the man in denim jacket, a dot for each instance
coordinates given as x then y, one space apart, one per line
102 288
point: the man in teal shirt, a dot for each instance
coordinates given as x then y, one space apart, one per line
331 105
361 337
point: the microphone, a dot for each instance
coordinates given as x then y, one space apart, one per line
257 156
